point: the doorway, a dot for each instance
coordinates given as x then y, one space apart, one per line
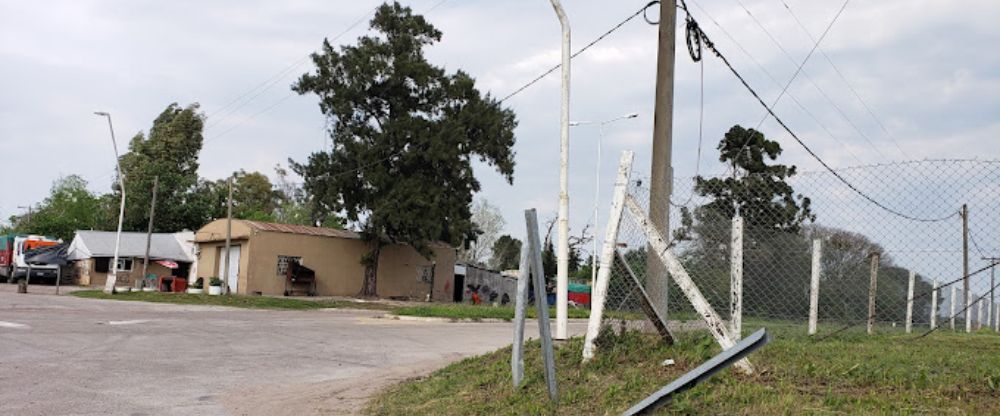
459 289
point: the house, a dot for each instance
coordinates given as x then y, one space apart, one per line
260 254
91 252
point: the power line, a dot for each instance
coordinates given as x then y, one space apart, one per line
261 88
695 32
846 82
581 50
812 82
799 69
763 69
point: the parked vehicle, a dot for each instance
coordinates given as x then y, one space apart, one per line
12 249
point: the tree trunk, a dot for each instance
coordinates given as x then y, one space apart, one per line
369 285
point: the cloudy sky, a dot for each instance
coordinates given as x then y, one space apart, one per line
927 74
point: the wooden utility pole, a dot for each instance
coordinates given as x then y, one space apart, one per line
661 175
872 288
149 230
229 236
965 267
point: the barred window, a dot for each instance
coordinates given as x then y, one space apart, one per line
284 261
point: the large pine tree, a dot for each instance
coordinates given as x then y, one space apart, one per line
404 135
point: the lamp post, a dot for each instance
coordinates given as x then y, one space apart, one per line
597 181
109 284
562 259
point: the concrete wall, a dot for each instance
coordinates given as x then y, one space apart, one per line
336 261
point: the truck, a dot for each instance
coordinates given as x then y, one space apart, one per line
12 249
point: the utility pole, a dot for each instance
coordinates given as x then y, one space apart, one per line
149 229
965 266
991 313
562 264
109 283
229 236
662 176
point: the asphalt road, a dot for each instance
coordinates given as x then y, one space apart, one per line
64 355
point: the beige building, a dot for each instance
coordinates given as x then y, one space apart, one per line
260 253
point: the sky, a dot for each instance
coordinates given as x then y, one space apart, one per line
892 80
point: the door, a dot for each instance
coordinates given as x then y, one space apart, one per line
234 268
459 290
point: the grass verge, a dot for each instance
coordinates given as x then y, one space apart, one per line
238 301
478 312
944 373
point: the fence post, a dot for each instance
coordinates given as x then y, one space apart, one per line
736 279
541 303
659 247
996 322
909 303
599 292
979 315
872 286
814 286
520 305
934 296
954 300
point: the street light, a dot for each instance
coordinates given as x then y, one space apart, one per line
597 182
109 283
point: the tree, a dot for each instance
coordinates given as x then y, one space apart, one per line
489 222
764 199
506 253
404 133
69 207
170 151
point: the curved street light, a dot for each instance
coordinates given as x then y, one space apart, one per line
597 181
109 283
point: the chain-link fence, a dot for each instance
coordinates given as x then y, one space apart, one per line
917 229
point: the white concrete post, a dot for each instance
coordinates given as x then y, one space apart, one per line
520 305
954 301
996 322
934 301
600 290
658 246
562 261
814 285
979 314
736 279
909 303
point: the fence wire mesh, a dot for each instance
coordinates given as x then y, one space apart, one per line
781 220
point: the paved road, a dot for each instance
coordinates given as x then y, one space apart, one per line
65 355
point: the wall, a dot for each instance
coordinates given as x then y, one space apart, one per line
211 256
488 283
89 276
336 261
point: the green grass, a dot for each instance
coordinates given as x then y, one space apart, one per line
478 312
942 374
238 301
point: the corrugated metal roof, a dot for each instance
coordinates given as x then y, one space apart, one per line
87 244
300 229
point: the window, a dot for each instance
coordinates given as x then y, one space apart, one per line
284 261
102 264
124 264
